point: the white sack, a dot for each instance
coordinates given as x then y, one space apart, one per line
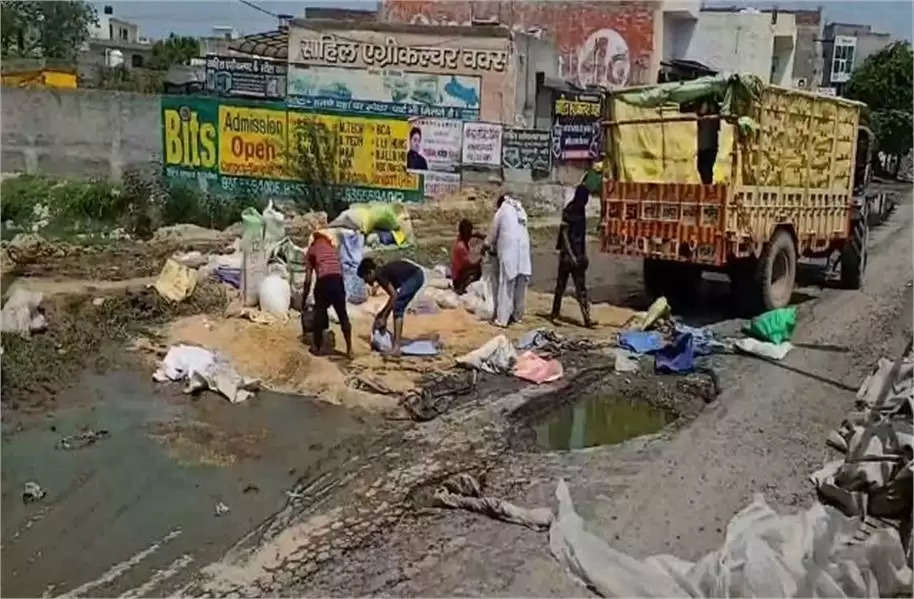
20 314
496 356
275 295
773 351
203 369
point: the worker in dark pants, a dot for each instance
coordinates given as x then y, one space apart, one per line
708 133
572 247
323 259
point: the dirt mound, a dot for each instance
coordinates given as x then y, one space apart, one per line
276 354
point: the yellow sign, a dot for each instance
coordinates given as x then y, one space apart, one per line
252 142
370 152
189 141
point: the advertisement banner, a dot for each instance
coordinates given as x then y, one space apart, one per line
437 185
384 92
482 144
576 131
242 76
370 152
190 138
248 148
252 142
526 149
434 144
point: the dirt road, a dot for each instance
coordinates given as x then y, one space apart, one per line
343 502
672 493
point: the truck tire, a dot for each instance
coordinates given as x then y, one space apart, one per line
854 254
775 272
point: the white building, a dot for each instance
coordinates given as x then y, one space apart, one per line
736 41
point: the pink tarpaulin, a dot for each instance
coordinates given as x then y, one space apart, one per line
535 369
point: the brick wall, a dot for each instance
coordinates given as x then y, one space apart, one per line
602 43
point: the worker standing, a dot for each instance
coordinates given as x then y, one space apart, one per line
329 291
509 240
572 247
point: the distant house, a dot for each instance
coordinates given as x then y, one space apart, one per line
844 48
113 43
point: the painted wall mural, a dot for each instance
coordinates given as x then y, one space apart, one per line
388 92
599 43
387 71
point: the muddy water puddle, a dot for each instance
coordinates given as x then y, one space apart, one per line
598 419
142 500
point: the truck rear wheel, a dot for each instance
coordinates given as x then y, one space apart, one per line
853 255
776 271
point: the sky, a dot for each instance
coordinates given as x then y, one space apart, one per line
197 17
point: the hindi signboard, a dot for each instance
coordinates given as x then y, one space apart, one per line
526 149
242 76
482 144
576 132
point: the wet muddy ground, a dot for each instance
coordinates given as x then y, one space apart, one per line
144 498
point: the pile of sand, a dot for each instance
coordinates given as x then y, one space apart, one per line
277 356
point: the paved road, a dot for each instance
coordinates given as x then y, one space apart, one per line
764 434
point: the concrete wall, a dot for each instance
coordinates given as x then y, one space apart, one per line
732 42
603 43
807 62
82 133
533 56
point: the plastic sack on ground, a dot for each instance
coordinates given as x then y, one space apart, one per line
274 227
368 217
20 313
773 351
815 553
496 356
275 294
254 256
176 282
774 326
480 295
203 369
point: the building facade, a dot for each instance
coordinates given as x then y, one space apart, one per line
739 41
606 44
845 47
808 61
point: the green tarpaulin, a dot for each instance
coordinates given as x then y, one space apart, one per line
735 93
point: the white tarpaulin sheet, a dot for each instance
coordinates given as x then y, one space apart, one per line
807 554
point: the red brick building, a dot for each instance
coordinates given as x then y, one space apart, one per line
600 43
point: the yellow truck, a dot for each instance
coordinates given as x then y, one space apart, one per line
777 183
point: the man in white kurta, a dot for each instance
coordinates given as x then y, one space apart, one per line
509 239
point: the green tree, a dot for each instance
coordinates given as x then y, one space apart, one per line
885 82
45 29
174 50
311 160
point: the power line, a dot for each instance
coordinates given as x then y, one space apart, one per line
255 7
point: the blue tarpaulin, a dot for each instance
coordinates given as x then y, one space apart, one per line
678 356
641 342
